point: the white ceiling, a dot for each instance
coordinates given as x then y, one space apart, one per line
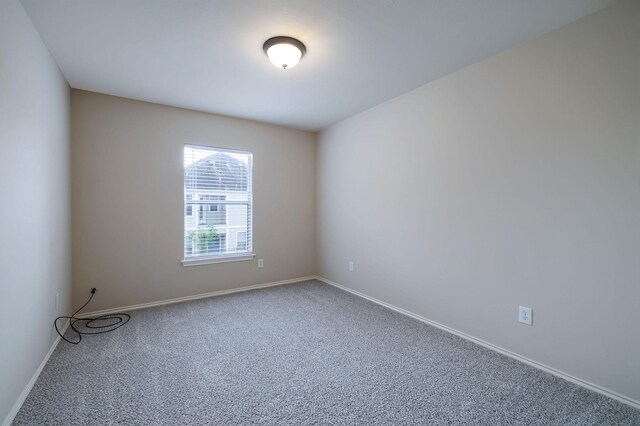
207 54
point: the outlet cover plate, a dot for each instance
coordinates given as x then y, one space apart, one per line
525 315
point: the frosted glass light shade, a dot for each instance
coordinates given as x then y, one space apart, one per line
284 55
284 52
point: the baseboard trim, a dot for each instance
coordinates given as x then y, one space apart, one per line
23 396
194 297
25 392
603 391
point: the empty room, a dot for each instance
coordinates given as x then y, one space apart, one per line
349 212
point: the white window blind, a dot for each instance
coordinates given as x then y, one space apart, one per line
217 203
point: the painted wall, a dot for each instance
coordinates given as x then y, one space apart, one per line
127 202
515 181
34 200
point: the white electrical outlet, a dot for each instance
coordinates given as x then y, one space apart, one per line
260 263
525 315
57 302
350 266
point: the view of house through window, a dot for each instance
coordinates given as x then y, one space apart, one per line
217 202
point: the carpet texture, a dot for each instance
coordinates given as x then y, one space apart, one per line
304 353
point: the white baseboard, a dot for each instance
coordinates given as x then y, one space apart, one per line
611 394
18 404
550 370
25 392
195 297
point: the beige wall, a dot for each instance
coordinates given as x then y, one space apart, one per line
34 200
515 181
127 196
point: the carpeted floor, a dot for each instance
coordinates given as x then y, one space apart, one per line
304 353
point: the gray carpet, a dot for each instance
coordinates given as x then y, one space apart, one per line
304 353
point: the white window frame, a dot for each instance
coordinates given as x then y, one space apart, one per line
230 257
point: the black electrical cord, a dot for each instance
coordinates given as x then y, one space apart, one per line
117 321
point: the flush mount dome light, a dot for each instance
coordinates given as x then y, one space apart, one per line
284 52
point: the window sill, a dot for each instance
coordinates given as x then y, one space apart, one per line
196 261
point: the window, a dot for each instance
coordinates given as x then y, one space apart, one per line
217 185
241 240
189 207
219 244
201 218
213 213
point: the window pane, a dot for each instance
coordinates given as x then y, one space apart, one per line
217 185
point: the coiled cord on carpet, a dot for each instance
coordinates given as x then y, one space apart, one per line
115 321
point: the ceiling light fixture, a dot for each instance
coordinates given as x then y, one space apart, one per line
284 52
